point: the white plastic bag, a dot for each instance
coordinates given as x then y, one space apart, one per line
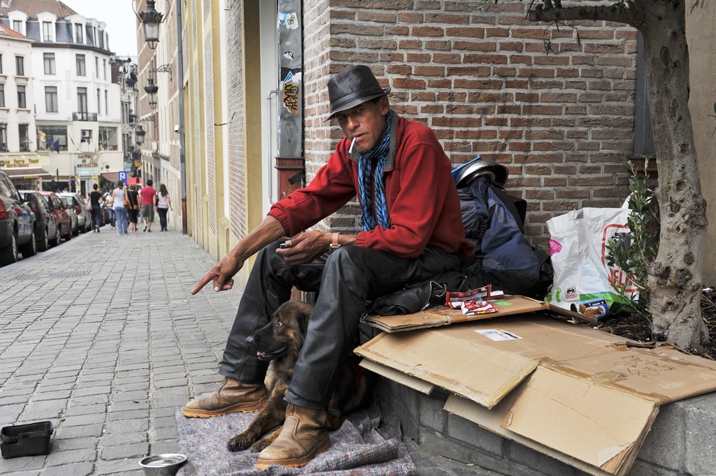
584 281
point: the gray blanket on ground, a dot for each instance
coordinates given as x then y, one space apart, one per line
368 444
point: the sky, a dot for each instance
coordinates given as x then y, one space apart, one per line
119 17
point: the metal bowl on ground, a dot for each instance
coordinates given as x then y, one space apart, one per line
162 465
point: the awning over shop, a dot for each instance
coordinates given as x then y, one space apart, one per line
27 172
134 180
111 176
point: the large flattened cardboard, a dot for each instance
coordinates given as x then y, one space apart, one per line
584 366
456 363
444 316
491 419
600 426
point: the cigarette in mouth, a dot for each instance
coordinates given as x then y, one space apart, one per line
353 142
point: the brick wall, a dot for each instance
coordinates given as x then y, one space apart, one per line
195 127
237 169
561 122
209 149
319 136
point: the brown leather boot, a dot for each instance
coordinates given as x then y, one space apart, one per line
303 436
233 396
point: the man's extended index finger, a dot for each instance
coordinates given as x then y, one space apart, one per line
204 281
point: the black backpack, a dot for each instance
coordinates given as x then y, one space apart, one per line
533 282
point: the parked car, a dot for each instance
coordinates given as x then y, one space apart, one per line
87 212
16 224
84 216
59 209
73 209
47 228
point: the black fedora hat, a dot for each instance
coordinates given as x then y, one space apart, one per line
352 87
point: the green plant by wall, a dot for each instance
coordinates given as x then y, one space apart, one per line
636 253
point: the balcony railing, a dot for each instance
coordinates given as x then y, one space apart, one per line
84 116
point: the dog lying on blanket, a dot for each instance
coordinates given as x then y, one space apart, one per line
280 341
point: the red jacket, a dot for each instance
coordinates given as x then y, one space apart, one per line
421 196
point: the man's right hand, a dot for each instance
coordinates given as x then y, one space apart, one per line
221 274
268 230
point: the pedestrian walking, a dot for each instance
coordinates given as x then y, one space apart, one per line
109 205
119 196
164 204
133 211
149 204
94 199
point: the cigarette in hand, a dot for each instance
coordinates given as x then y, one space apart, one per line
353 142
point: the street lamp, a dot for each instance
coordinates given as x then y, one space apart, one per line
151 89
139 135
150 19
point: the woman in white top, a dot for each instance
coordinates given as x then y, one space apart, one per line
163 205
118 196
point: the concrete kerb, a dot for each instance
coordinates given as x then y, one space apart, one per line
681 441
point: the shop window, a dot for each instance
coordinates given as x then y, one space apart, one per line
52 138
108 138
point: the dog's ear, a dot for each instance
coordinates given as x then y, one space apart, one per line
303 318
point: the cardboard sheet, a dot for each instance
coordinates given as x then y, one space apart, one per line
583 376
411 382
479 373
492 420
443 316
663 374
598 425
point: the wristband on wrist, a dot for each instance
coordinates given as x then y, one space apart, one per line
334 243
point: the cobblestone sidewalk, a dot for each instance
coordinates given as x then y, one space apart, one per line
101 337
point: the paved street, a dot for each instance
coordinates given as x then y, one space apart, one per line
101 337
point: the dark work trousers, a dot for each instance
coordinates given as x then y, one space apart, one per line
345 279
96 217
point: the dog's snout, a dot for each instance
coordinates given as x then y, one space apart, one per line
253 338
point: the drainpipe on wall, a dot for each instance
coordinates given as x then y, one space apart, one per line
182 153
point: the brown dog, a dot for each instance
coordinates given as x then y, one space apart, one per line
280 342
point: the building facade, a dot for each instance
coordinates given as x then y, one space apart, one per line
18 150
159 111
562 108
75 103
558 112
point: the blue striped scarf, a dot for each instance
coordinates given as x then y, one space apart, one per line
365 165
